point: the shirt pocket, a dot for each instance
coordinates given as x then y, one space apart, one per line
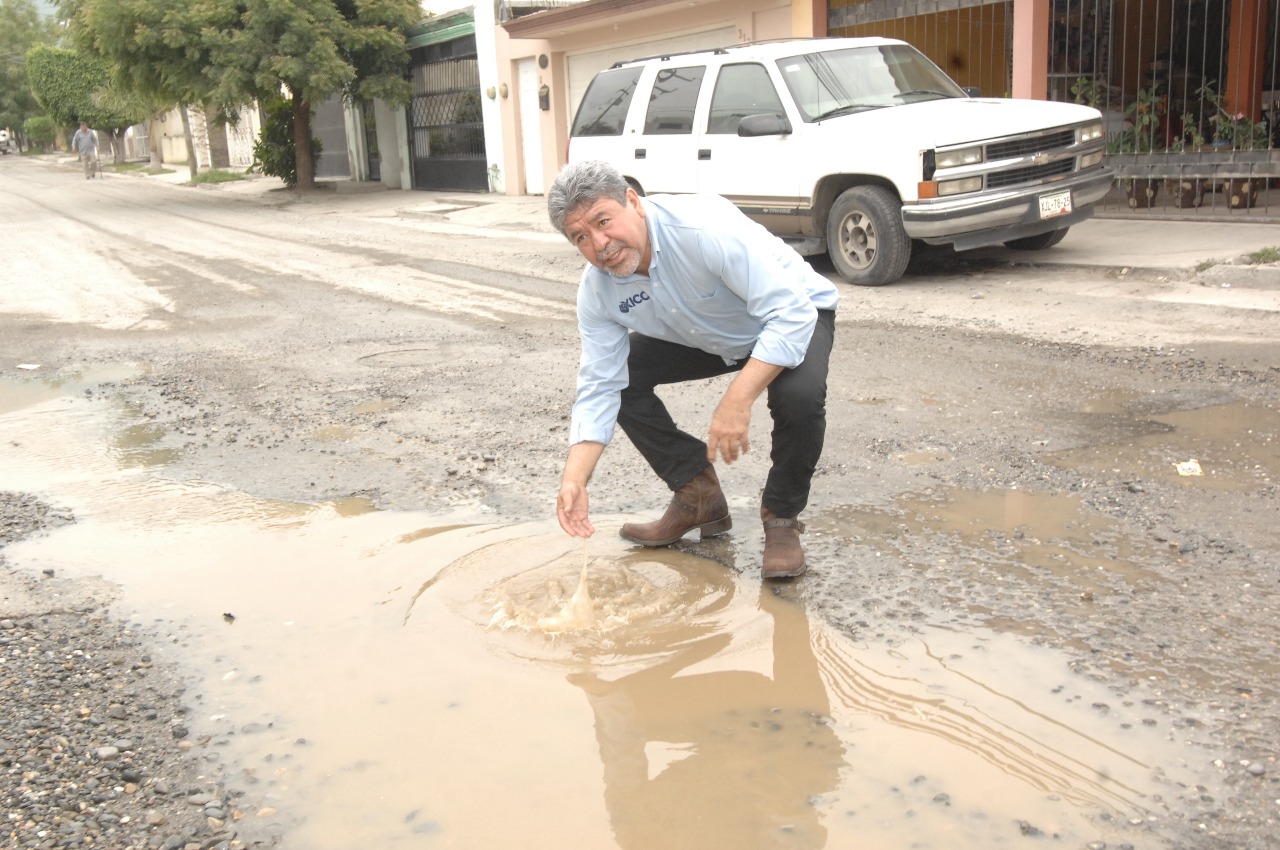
720 303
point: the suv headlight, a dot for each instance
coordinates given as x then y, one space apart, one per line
1090 132
959 156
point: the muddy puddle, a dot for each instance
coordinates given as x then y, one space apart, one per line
1233 447
397 679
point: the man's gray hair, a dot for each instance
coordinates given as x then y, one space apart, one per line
582 184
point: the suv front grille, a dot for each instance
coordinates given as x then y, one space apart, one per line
1030 145
1030 173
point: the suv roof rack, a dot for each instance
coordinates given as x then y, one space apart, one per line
722 51
665 56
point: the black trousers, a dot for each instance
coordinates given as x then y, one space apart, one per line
797 402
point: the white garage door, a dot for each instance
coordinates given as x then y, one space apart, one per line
583 66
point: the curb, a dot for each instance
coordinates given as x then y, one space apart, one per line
1251 276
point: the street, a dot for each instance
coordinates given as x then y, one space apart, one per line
305 451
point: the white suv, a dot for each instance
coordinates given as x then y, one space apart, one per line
853 146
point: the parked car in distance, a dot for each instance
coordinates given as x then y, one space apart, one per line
852 146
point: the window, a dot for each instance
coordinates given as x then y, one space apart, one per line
828 83
741 90
603 111
675 93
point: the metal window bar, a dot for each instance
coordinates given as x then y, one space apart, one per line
445 113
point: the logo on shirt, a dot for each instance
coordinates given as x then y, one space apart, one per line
625 305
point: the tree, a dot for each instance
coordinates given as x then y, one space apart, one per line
160 47
21 28
314 48
73 87
223 52
274 152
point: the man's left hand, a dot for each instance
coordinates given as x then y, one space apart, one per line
732 419
729 432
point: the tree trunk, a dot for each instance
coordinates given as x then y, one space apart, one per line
153 150
306 166
117 145
192 162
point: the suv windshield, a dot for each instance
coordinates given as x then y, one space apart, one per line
829 83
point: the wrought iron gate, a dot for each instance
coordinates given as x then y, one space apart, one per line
1190 88
1191 91
446 129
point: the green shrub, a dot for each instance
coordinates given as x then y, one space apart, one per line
40 130
273 152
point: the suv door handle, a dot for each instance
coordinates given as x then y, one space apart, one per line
704 153
640 153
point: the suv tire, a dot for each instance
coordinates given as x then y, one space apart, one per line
865 237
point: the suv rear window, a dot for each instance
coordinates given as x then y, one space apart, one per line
675 94
603 111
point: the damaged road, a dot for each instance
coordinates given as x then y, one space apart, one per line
1007 455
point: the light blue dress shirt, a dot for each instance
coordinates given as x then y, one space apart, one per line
717 281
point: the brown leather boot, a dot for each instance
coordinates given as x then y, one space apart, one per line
783 554
697 504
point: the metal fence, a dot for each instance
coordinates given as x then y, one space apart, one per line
1190 88
446 127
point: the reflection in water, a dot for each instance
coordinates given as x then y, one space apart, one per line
718 757
692 706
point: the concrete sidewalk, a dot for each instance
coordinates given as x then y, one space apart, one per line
1217 253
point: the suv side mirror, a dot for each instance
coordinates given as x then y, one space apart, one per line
765 124
973 91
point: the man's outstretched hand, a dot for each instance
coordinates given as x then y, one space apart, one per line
572 508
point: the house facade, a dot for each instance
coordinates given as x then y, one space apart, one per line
497 84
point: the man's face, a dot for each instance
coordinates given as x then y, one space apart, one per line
612 236
84 126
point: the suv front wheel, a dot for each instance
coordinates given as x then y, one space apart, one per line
865 237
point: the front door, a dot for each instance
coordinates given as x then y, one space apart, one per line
530 126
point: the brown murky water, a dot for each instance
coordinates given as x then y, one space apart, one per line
1234 447
409 680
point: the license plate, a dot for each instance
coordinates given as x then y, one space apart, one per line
1059 203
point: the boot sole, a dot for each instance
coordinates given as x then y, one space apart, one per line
708 529
770 574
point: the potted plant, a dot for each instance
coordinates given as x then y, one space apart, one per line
1238 132
1188 191
1141 134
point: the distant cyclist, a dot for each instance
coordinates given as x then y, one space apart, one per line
85 143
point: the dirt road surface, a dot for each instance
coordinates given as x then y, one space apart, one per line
1068 474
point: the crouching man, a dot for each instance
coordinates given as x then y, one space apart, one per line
683 288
